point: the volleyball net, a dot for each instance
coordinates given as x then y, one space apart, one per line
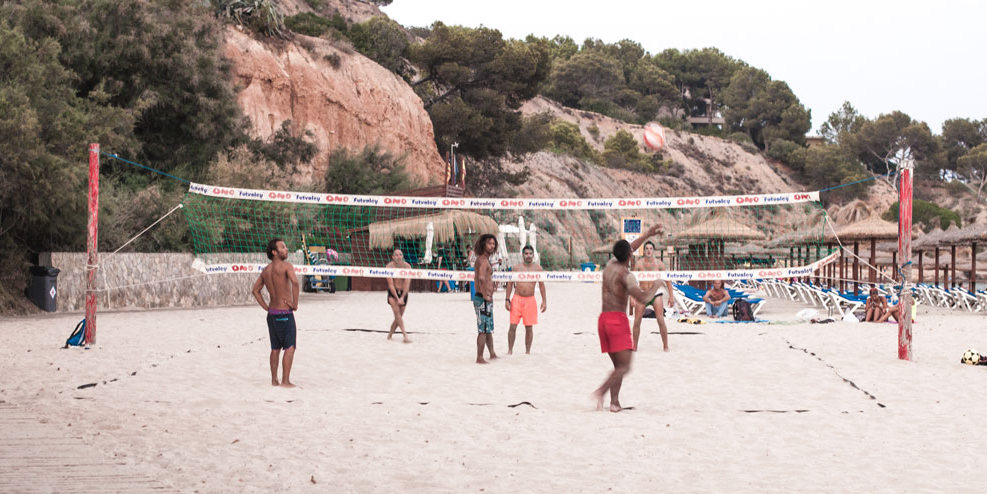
735 237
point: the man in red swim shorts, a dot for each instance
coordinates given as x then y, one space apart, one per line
614 329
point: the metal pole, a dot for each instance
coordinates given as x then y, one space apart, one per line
92 263
973 268
905 248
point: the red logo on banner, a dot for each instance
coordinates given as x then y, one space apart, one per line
395 200
747 200
628 202
801 197
278 195
570 204
330 198
453 202
687 202
222 192
511 204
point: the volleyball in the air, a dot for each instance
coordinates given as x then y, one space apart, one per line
970 357
654 136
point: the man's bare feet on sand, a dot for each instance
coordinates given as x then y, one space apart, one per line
287 384
615 407
406 340
481 361
274 382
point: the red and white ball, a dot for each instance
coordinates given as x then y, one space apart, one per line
654 136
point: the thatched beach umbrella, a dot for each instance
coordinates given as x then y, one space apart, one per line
719 227
711 234
872 228
945 240
925 242
445 226
971 234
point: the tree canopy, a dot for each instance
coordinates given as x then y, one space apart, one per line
473 83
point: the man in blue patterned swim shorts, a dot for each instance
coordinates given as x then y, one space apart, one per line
483 299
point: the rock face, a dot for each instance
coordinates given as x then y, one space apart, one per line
705 166
357 104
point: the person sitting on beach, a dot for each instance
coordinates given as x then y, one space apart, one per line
876 306
894 312
717 300
276 278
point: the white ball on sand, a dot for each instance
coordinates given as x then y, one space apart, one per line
970 357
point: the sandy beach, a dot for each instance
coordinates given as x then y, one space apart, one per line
184 397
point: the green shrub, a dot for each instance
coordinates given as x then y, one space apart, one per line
593 131
316 5
621 150
548 227
262 16
333 59
371 171
957 188
787 152
566 139
308 24
709 130
744 140
604 227
535 134
608 108
923 213
381 40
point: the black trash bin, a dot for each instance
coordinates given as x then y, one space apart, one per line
42 290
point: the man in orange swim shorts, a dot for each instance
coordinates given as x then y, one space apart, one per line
523 305
613 326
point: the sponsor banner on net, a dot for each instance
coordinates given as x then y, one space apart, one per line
504 203
522 277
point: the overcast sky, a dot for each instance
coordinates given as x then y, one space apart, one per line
924 58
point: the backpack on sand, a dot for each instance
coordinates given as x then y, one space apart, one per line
742 311
78 335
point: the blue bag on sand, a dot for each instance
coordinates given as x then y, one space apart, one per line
78 335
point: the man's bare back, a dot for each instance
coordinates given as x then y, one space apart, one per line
616 282
278 277
277 281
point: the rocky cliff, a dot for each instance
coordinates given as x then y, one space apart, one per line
342 97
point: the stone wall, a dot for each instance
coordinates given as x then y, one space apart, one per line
146 281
